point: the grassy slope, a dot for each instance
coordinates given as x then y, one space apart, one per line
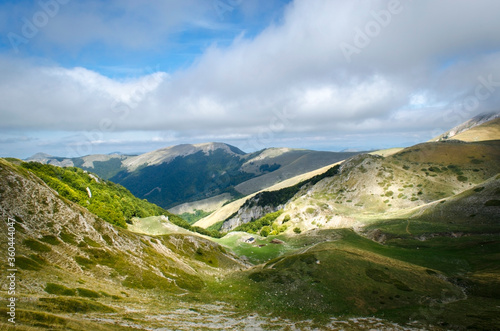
71 262
371 187
441 250
340 273
309 161
229 209
486 131
428 269
110 201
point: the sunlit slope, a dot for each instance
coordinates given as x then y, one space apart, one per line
229 209
487 131
479 128
370 186
71 262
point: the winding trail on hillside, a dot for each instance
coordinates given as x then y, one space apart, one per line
408 228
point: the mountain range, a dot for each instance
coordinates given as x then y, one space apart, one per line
185 173
401 239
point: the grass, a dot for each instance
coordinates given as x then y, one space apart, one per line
313 284
87 293
260 251
50 239
403 278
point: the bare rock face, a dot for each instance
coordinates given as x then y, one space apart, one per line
248 214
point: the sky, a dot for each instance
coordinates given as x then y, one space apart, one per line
86 77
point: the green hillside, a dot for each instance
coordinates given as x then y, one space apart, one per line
193 177
74 269
111 202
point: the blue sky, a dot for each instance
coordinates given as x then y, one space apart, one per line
83 77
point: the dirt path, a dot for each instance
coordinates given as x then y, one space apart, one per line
408 228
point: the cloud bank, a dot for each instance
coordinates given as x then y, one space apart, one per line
321 70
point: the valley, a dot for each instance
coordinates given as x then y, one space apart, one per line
280 239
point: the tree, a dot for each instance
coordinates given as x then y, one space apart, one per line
265 231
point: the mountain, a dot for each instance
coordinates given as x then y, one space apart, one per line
74 269
104 165
187 173
474 130
77 272
371 186
402 239
168 154
489 130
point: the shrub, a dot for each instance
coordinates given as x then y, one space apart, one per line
264 232
87 293
84 262
68 238
297 230
53 240
36 245
57 289
310 210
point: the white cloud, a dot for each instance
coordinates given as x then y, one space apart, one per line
425 62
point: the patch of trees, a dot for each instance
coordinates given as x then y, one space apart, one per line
280 197
269 167
265 225
111 202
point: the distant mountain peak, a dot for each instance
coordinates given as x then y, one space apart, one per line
473 122
39 156
167 154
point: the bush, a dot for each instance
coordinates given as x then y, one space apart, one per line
57 289
297 230
50 239
264 232
256 226
310 210
36 245
87 293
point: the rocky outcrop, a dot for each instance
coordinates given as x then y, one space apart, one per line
248 214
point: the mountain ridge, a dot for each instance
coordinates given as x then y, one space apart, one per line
187 173
468 125
402 239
